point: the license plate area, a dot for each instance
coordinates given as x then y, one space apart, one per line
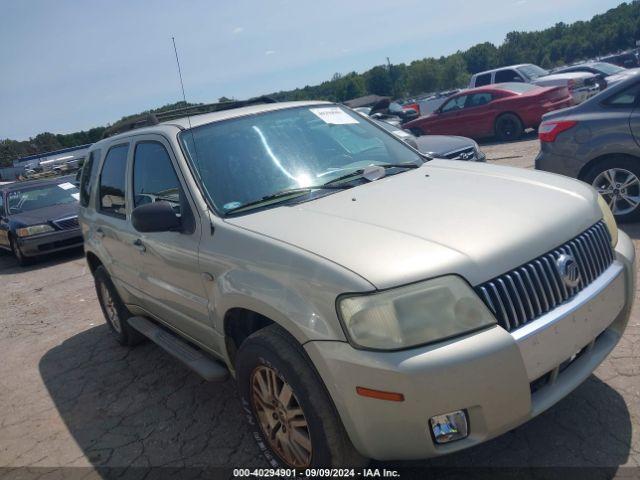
553 339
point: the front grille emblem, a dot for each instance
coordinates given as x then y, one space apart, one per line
568 270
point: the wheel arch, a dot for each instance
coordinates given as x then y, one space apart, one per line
93 261
594 162
239 323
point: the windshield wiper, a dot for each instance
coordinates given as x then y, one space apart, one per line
286 193
360 171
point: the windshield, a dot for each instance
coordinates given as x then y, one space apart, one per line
533 71
607 68
42 196
244 159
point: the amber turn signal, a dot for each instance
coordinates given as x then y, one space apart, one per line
380 395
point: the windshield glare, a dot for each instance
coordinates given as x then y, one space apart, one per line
608 69
247 158
28 199
533 71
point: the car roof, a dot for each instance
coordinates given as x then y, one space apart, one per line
508 67
193 121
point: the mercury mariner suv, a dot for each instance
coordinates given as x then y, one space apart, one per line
370 301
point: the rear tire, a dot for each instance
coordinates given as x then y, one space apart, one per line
508 127
113 309
303 431
617 179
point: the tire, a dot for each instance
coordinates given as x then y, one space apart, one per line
608 176
19 256
114 311
272 354
508 127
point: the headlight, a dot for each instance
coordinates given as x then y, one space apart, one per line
413 315
609 220
34 230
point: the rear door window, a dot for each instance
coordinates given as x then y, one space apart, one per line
626 98
505 76
484 79
112 196
478 99
88 176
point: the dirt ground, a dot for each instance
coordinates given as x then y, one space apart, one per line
71 397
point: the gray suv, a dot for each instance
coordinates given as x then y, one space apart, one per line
369 301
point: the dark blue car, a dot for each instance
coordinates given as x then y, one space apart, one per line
38 217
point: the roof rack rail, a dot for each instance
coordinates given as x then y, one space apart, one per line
151 118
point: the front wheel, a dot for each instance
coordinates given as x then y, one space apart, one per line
17 253
292 417
618 181
508 127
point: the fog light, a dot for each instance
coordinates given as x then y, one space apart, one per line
449 427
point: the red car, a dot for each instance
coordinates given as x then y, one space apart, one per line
504 110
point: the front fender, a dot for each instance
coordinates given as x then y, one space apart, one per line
292 287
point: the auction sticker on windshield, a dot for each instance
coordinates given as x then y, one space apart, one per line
333 115
66 186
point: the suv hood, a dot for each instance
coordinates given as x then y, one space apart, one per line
475 220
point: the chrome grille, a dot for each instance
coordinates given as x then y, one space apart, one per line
531 290
68 223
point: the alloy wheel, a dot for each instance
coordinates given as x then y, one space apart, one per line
110 308
280 417
620 188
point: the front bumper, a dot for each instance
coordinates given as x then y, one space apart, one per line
50 242
501 379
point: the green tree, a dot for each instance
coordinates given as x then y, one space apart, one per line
483 56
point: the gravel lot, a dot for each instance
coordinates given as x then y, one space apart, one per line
71 397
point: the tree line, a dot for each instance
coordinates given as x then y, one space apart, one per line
617 29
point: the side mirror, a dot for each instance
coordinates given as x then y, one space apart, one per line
155 217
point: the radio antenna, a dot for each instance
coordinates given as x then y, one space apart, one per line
184 97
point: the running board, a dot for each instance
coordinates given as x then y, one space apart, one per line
207 368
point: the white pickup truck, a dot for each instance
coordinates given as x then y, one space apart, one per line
582 85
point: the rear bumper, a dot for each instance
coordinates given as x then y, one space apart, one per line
501 379
50 242
549 161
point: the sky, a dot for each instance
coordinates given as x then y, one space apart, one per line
70 65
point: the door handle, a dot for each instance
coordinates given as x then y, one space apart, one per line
99 232
139 245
